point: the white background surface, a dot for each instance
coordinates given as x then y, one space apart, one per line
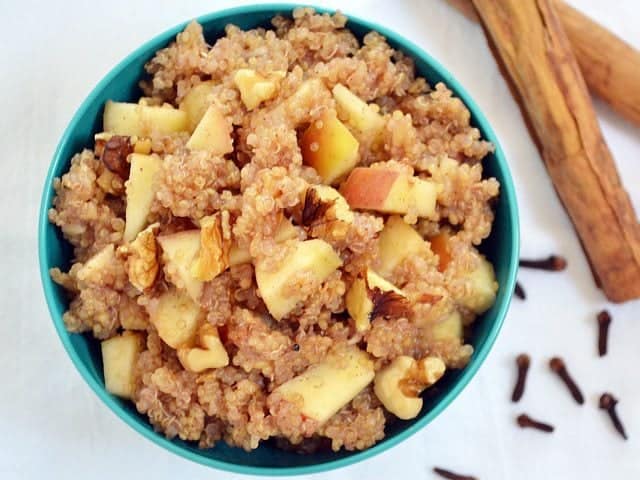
53 426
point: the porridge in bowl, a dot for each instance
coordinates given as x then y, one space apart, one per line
280 238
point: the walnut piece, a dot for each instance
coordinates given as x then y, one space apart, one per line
399 384
422 374
215 243
114 155
142 261
389 304
314 208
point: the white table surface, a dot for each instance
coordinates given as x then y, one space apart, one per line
52 426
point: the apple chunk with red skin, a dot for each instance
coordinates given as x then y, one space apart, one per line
389 191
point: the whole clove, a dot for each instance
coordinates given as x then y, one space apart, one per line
519 291
553 263
451 475
558 366
608 402
525 421
604 320
522 361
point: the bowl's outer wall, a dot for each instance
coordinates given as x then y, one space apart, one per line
122 84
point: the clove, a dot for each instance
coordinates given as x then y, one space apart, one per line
450 475
525 421
519 291
554 263
522 361
604 320
608 402
558 366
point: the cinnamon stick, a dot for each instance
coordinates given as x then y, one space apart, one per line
529 40
609 65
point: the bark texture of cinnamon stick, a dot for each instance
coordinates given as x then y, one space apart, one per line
609 65
530 43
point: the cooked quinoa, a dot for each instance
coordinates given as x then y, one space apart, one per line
252 200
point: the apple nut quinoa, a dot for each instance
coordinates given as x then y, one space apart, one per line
279 240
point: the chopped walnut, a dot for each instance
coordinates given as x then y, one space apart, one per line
314 208
215 242
388 303
114 155
142 261
420 375
399 384
100 139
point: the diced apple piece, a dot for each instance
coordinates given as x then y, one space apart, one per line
359 114
142 120
213 257
316 257
211 355
397 241
440 246
254 88
199 359
176 317
212 134
363 304
340 207
329 147
196 102
286 231
389 191
142 145
209 338
140 192
398 385
119 357
239 256
422 199
449 328
359 304
483 288
329 385
377 189
93 269
180 251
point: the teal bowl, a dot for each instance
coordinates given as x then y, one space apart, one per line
121 84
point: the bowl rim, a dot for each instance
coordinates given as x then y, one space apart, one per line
480 354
